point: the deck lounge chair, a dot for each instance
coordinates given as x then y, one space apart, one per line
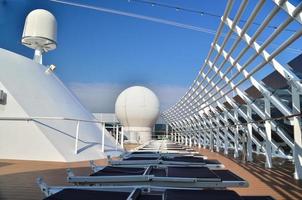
137 193
179 177
167 161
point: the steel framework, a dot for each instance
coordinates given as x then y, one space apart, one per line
218 112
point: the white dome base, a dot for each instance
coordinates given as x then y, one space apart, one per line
138 134
137 109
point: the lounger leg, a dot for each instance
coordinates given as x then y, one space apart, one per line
43 186
92 165
69 173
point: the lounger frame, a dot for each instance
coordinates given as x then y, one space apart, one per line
151 180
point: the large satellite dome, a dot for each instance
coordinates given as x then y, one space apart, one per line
137 108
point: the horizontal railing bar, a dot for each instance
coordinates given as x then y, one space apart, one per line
46 118
255 122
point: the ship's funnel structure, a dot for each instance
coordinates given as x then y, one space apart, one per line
137 108
40 32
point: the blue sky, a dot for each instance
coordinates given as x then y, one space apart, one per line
99 54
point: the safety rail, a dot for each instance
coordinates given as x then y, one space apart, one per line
77 127
255 122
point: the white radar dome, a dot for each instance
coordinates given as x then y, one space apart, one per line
137 108
40 30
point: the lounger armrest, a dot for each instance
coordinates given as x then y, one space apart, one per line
208 179
183 163
236 183
174 179
109 179
133 162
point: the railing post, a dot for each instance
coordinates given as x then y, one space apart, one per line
122 136
175 137
77 138
167 129
236 145
199 140
103 137
226 140
204 140
116 135
186 141
217 140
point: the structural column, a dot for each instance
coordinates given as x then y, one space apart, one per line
236 134
186 140
204 140
226 141
199 140
268 131
211 137
249 135
296 122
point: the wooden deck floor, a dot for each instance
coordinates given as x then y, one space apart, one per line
17 178
277 182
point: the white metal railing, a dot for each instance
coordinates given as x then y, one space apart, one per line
206 110
77 127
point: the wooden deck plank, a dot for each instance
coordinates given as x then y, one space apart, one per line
18 178
277 182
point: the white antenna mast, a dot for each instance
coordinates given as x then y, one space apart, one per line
40 32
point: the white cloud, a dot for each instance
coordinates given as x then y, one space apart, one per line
101 97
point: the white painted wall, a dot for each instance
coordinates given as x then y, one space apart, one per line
31 93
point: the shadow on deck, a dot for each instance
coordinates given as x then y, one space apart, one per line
277 182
